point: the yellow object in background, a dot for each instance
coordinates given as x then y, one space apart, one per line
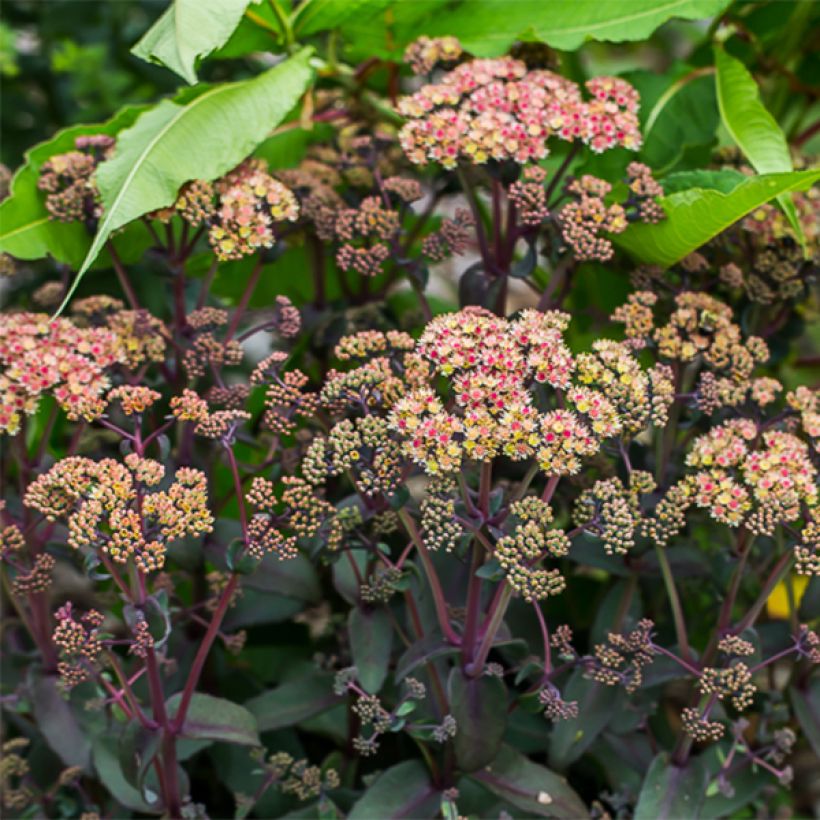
778 605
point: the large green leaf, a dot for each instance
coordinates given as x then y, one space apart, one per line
320 15
683 115
403 790
189 29
479 706
489 27
371 638
751 126
536 790
695 216
26 231
670 792
201 138
210 718
293 702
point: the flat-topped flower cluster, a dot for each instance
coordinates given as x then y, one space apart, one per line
498 109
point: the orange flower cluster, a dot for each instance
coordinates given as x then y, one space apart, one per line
117 510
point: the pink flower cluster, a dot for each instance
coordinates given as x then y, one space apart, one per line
493 366
41 356
498 109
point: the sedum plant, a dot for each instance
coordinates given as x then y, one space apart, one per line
413 431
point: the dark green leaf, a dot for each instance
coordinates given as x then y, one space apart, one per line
536 790
597 706
428 649
695 216
670 792
806 705
137 749
211 718
294 578
57 722
403 790
371 639
293 702
479 706
684 115
320 15
110 772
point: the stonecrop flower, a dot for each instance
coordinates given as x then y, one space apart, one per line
531 541
42 356
240 209
499 109
119 510
751 477
511 387
68 180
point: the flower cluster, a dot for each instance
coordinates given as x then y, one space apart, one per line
734 682
746 478
530 542
585 219
498 109
612 511
622 658
79 644
278 524
117 509
700 329
297 777
68 180
42 356
424 54
493 366
240 209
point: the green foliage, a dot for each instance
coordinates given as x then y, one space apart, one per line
671 791
403 790
696 215
532 788
348 633
187 30
198 138
752 127
479 706
371 637
293 702
210 718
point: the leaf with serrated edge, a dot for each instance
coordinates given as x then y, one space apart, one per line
752 127
202 139
695 216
